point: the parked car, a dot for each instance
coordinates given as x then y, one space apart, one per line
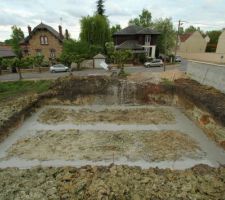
59 68
177 59
154 63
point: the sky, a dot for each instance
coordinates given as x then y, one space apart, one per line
207 14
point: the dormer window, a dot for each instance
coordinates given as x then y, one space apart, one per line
44 40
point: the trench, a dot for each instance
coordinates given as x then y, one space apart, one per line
102 121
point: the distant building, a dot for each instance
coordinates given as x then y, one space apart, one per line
192 43
44 40
221 43
137 39
6 52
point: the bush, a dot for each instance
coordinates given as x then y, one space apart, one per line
142 58
6 63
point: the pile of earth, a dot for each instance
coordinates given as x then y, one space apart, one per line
113 182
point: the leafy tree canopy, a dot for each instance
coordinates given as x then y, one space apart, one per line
192 29
143 20
17 36
214 36
95 30
167 39
115 29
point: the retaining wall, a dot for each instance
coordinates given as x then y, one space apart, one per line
207 74
205 57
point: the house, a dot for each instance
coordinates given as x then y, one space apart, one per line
137 39
192 43
221 43
6 52
44 40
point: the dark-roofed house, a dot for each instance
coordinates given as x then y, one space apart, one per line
137 39
6 52
44 40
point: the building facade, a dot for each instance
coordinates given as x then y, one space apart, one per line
192 43
137 39
44 40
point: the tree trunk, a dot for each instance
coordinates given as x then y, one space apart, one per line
39 69
0 70
20 74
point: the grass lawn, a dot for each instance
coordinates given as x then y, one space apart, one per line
19 88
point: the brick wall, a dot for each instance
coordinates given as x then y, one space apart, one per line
53 43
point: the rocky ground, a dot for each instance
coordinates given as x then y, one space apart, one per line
113 182
150 146
118 116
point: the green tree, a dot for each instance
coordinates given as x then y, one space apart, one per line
95 30
75 51
100 7
110 48
115 29
8 42
17 62
167 39
121 57
38 61
214 37
143 20
192 29
17 36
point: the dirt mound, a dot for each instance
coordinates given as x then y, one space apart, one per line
113 182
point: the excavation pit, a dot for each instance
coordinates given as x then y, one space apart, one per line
134 135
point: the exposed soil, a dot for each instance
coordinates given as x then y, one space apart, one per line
107 145
122 116
204 97
113 182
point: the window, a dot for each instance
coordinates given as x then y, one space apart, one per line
52 53
44 40
147 38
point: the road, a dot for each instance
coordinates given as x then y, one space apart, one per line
48 75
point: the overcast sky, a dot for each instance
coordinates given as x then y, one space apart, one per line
208 14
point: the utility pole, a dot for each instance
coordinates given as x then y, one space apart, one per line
179 24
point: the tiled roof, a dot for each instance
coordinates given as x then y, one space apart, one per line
6 51
42 26
184 37
130 44
135 30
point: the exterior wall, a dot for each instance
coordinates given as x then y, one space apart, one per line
208 74
53 43
194 44
205 57
221 44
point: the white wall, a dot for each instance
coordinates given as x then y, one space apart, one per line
194 44
205 57
207 74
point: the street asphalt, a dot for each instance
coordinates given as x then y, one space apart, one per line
47 75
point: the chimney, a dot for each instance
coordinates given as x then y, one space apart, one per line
67 34
29 30
60 31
